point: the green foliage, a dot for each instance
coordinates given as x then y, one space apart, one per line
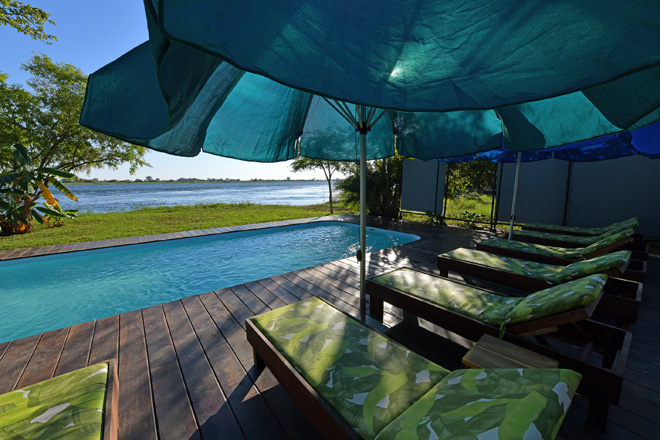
384 177
433 218
328 167
22 187
472 217
26 19
466 177
45 117
161 220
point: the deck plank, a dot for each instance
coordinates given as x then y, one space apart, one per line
279 402
284 289
76 348
174 413
253 303
15 360
208 401
136 413
105 344
230 329
236 307
271 300
252 412
313 290
3 348
44 360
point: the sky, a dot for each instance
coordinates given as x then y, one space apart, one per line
91 34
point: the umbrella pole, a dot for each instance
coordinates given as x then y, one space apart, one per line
363 221
515 195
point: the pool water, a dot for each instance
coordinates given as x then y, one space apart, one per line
39 294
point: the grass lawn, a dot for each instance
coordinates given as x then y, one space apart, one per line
93 227
478 204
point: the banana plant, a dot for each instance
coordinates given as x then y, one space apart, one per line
20 190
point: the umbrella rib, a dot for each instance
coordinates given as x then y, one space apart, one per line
371 124
346 109
371 116
342 112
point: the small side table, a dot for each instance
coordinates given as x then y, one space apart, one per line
491 352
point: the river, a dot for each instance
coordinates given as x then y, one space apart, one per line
99 198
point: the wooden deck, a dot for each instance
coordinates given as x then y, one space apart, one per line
186 370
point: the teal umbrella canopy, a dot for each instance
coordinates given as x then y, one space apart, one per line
268 80
425 55
258 80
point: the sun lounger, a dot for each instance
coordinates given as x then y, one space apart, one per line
80 404
572 241
352 382
556 254
530 276
577 230
564 256
562 310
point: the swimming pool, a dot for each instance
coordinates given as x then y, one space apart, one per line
39 294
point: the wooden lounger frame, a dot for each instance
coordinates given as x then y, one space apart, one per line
622 296
603 383
111 409
327 422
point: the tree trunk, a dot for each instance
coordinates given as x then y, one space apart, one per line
330 191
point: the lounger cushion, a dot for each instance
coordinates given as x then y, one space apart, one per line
584 241
368 379
69 406
631 223
466 300
551 273
556 251
604 263
489 404
557 299
542 271
541 249
608 240
614 227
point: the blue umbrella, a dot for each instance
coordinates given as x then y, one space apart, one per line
644 141
267 81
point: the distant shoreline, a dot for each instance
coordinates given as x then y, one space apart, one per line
138 181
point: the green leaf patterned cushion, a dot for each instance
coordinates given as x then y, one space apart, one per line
631 223
584 241
542 271
549 272
608 240
69 406
557 299
614 227
489 404
604 263
469 301
541 249
368 379
556 251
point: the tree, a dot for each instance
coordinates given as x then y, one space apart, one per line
384 180
26 19
45 117
465 177
328 167
20 190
